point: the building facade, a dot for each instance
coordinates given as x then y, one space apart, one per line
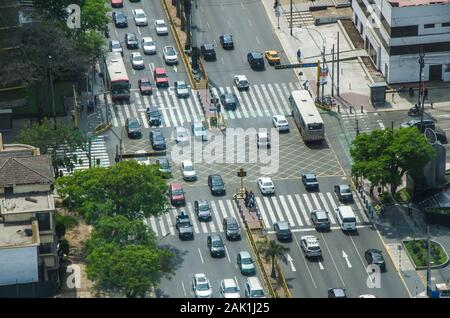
396 32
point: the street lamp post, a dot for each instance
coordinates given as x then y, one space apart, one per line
323 60
51 90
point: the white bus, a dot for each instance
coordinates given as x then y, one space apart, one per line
306 116
117 77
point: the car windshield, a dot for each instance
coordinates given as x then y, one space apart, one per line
217 182
263 139
161 75
314 248
115 45
138 58
311 179
345 190
232 226
231 289
282 122
267 184
247 261
181 85
243 82
349 220
317 126
145 83
160 24
148 42
227 38
132 37
217 243
164 164
154 113
120 15
203 207
177 192
140 15
274 55
134 124
199 128
182 135
158 137
202 286
188 168
257 293
377 257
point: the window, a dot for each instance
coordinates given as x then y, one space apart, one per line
446 24
43 221
429 26
46 248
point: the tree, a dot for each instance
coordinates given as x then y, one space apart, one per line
60 143
384 156
130 270
271 250
120 231
127 188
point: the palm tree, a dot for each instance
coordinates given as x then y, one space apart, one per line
270 250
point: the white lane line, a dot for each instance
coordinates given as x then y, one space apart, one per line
277 101
308 203
153 225
286 210
281 94
332 258
185 110
113 115
171 111
201 256
260 106
228 255
192 216
169 223
241 112
286 89
263 213
235 212
216 217
277 209
304 260
327 208
316 202
321 266
250 22
222 60
192 108
312 229
333 204
127 112
262 101
184 289
197 106
302 208
360 208
222 210
294 209
269 208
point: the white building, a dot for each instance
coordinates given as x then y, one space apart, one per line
396 31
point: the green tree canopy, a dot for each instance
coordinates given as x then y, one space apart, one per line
129 270
271 250
384 156
58 143
127 188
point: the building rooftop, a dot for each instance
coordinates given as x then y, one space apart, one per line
410 3
23 203
26 170
18 234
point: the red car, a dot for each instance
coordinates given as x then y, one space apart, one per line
160 77
117 3
145 87
176 194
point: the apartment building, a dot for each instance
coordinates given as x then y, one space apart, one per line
395 32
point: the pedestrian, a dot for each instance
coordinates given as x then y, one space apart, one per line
393 97
410 208
371 190
379 190
425 93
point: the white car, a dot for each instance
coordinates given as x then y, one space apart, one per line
367 296
201 286
241 82
262 140
229 288
266 185
140 18
148 45
161 27
141 159
188 171
170 55
137 61
181 136
280 123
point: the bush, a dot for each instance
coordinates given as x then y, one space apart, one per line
386 198
418 251
403 196
64 247
68 221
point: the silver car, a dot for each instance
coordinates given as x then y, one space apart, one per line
181 89
201 286
137 61
161 27
148 45
170 55
140 18
115 46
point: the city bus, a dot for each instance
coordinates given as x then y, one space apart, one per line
116 77
306 116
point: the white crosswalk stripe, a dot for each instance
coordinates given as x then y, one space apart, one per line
277 209
153 225
171 226
333 204
261 100
308 203
296 214
263 213
162 226
286 210
234 212
216 216
223 211
302 208
327 209
192 217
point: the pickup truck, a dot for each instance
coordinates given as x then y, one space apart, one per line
184 227
343 193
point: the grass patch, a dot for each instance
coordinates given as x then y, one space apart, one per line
403 196
417 249
69 221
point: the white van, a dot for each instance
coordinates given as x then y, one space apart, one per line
253 288
346 217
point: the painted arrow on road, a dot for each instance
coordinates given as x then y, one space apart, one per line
291 262
344 255
175 69
321 266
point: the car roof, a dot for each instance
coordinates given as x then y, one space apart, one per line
310 239
187 163
271 52
131 119
283 225
156 132
130 34
262 134
163 159
114 41
229 282
180 129
280 117
200 277
202 202
227 35
265 179
309 175
176 185
144 79
241 77
373 250
344 186
166 47
215 237
215 176
160 21
160 70
230 219
139 11
244 254
320 212
208 46
337 291
147 38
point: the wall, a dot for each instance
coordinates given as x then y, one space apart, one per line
29 188
19 264
405 68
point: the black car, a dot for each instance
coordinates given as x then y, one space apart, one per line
216 246
375 257
153 116
336 293
202 210
120 19
256 60
320 219
226 40
310 181
343 193
184 226
282 231
216 184
157 140
229 101
208 52
231 229
133 127
131 41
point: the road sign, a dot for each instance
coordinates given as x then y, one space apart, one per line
297 65
241 173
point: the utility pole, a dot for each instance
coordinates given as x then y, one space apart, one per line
422 110
332 71
194 37
318 79
291 19
337 65
52 91
428 263
323 68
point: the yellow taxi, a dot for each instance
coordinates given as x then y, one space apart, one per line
272 57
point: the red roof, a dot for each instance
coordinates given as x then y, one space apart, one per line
160 70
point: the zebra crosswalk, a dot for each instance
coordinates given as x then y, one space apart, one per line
98 152
261 100
293 208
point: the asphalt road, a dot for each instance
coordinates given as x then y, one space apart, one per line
193 256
